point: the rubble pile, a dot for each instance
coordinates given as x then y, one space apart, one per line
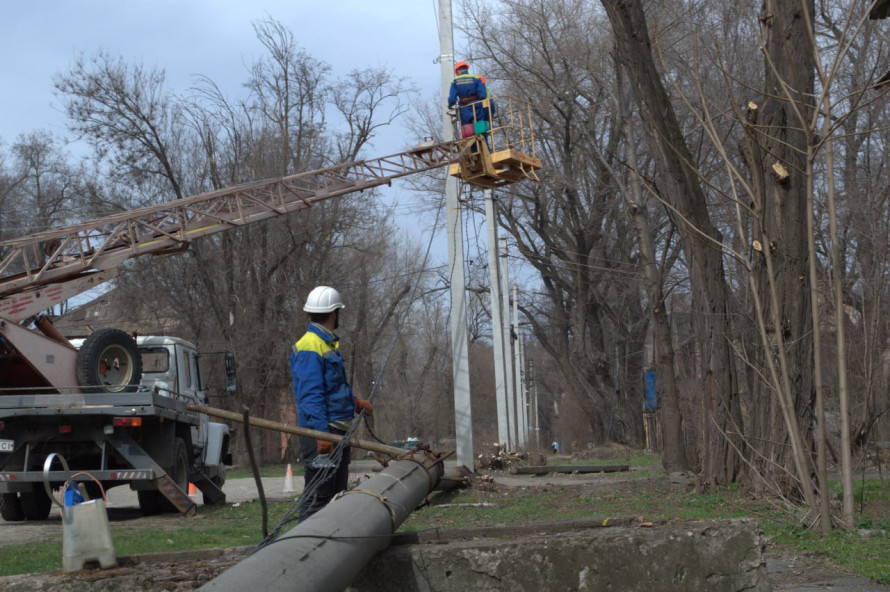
496 458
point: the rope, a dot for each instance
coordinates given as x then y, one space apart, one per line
379 497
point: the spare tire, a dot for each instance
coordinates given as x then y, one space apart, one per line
109 361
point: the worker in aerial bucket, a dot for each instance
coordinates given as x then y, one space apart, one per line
324 400
467 93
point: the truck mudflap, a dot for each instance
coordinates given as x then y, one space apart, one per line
24 480
213 495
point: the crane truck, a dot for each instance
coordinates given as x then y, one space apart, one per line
117 407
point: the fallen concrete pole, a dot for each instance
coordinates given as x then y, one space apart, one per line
326 551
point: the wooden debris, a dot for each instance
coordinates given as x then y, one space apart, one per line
500 459
543 470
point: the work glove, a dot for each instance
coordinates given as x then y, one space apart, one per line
363 404
324 447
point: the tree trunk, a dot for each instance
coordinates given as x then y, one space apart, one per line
778 149
702 240
674 445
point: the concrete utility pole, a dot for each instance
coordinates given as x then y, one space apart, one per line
508 345
497 318
463 417
533 390
526 407
521 418
523 390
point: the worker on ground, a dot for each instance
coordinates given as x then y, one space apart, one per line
324 400
467 93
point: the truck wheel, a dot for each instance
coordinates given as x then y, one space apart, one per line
11 507
35 504
179 472
149 502
109 359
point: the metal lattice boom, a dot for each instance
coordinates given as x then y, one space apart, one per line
73 253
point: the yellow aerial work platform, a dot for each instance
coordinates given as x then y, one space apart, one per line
503 151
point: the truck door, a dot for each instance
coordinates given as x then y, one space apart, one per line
194 384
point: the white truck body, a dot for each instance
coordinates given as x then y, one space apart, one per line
144 437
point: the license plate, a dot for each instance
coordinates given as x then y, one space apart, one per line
7 445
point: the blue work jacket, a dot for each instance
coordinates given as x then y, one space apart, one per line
470 90
321 389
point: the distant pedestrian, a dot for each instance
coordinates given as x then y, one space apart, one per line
555 447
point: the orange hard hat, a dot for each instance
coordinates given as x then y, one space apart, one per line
460 65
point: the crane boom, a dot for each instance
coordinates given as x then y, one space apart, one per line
39 270
43 269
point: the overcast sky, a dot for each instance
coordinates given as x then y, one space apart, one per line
215 38
41 38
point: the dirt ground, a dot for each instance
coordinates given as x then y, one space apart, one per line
188 571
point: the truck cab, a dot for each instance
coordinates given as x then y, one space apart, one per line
171 367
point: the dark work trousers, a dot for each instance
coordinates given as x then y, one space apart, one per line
337 478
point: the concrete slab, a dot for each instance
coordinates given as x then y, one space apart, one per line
724 555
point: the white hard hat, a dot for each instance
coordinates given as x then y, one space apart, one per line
323 299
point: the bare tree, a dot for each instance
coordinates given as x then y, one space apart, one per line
361 98
126 114
681 186
569 228
42 184
287 89
674 447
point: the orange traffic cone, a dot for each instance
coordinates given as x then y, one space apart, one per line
192 489
289 481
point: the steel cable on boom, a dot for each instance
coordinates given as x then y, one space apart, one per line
311 489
